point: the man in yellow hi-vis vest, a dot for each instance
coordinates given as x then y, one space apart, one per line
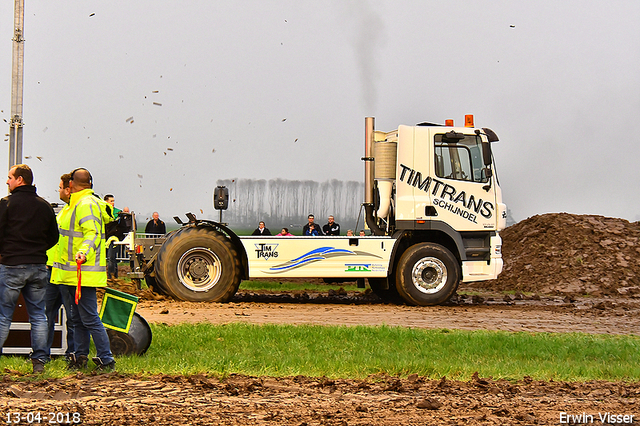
81 230
54 297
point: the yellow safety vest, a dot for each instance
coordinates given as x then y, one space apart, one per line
81 226
53 251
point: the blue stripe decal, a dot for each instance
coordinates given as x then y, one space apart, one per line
295 265
315 255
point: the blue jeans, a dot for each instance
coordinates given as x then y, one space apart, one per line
86 323
32 280
53 301
112 260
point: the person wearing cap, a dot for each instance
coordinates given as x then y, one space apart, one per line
28 229
82 230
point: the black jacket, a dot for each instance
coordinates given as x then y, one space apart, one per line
264 232
28 227
331 229
153 228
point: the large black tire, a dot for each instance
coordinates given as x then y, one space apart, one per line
427 274
198 264
388 295
153 284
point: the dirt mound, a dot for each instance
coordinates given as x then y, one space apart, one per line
131 288
114 399
561 253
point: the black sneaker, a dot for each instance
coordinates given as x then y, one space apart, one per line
77 362
100 366
38 366
69 358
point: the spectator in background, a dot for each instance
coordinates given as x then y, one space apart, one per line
112 249
110 199
155 225
261 230
349 233
362 234
285 233
311 228
331 228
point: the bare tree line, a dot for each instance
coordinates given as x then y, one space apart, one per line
283 203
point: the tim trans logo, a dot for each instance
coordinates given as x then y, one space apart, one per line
266 251
358 267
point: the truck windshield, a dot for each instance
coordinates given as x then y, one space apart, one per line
461 160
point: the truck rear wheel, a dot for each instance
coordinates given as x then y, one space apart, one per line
427 274
198 264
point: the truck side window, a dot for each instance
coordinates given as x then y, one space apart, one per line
460 160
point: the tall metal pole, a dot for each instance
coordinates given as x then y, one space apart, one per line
15 125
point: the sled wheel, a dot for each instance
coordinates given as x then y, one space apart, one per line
135 342
198 264
427 274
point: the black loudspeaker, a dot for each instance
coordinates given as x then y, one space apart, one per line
221 198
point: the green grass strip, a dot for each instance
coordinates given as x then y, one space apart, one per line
357 352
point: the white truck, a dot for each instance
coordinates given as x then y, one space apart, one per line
432 202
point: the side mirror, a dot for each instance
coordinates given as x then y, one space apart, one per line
486 153
486 146
491 135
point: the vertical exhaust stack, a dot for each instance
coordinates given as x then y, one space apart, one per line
384 174
369 123
368 159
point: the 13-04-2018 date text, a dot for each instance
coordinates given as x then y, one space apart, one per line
34 417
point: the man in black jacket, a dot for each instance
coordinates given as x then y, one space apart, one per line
155 225
311 229
28 228
331 228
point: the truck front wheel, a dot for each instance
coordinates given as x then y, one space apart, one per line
427 274
198 264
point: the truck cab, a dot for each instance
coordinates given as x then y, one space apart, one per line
436 184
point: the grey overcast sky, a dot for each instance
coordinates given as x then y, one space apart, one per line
159 99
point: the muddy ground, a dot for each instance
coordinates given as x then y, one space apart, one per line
571 274
112 399
487 311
